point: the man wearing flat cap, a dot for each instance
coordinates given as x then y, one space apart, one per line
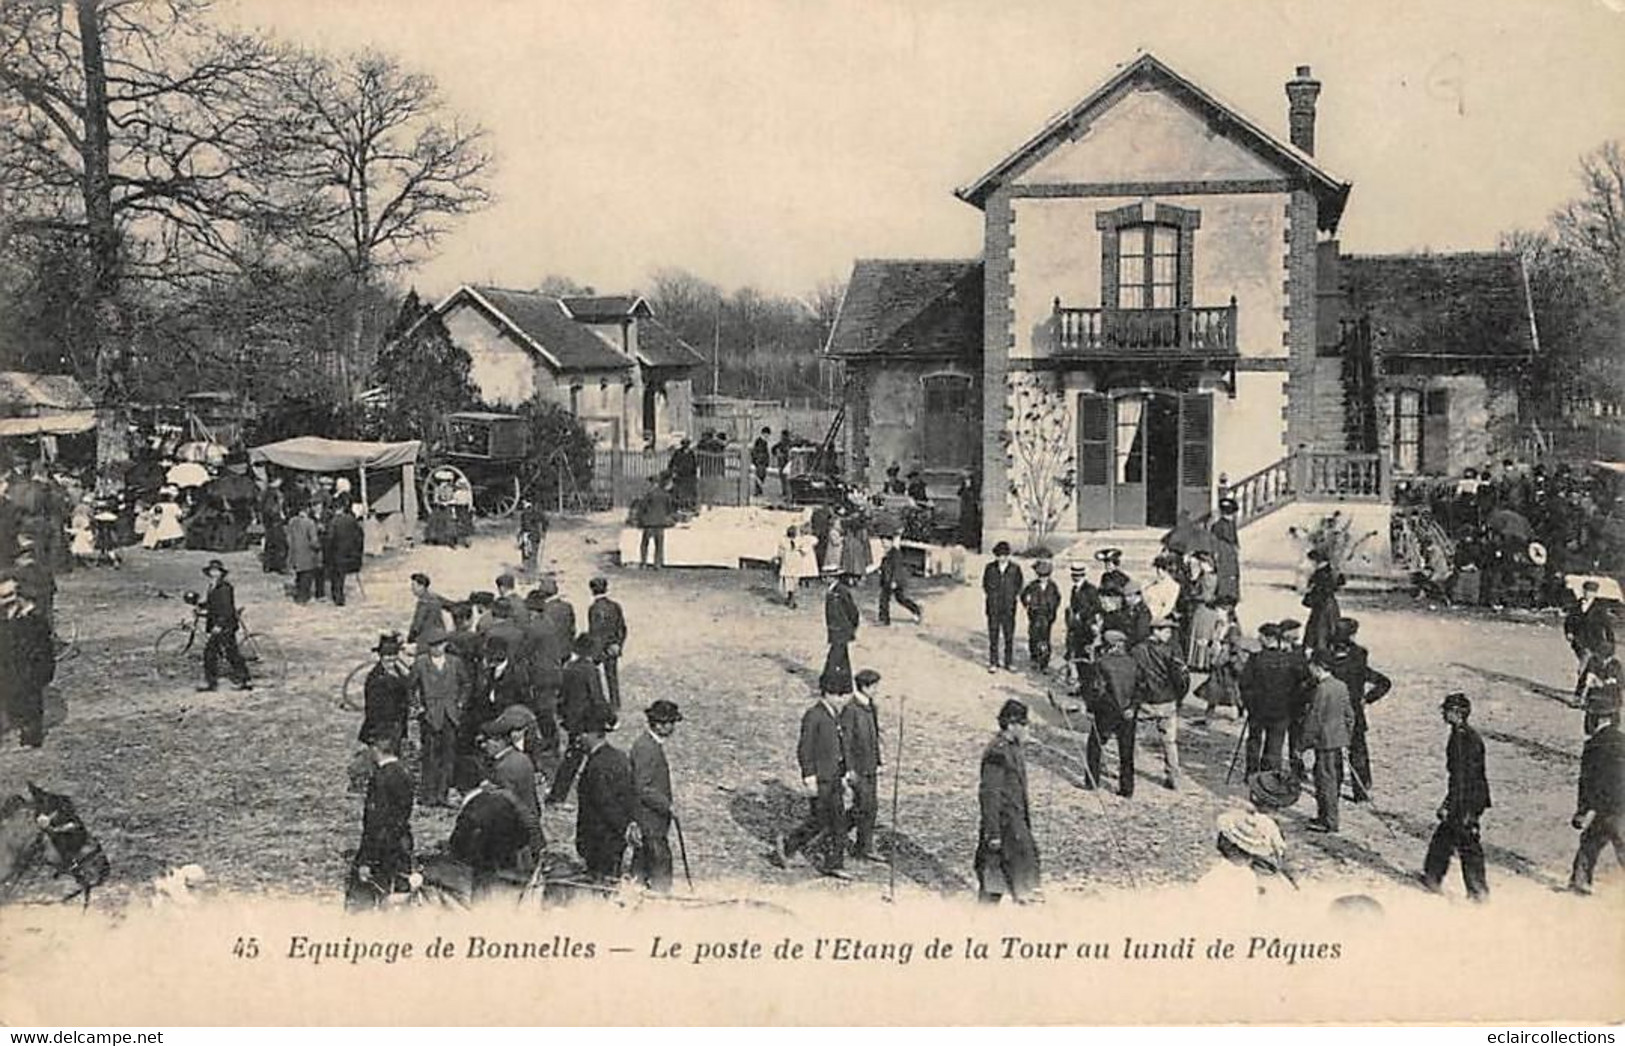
1161 685
1602 799
1466 798
651 779
1001 590
510 768
841 622
581 709
1006 853
220 622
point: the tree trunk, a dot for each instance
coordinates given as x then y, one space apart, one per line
105 329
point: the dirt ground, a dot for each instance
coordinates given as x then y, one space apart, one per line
252 786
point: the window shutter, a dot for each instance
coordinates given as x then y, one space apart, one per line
1094 440
1195 438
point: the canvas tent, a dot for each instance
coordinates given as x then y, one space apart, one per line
43 405
314 454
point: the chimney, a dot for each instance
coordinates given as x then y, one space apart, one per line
1301 92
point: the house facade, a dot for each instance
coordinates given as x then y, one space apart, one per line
607 360
1164 310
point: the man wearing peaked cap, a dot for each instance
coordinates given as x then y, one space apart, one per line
511 769
1270 685
651 779
1001 590
1466 798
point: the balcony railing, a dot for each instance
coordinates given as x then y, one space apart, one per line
1207 331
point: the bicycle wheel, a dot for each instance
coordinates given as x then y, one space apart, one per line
65 639
264 656
173 652
353 696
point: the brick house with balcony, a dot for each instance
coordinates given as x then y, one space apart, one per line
1164 311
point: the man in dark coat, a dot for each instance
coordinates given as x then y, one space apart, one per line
1602 797
607 805
653 515
1159 688
557 612
651 777
426 610
509 767
684 467
490 836
1041 598
1351 663
1110 699
821 755
1227 552
581 709
346 545
1006 853
1270 684
1001 591
441 685
606 624
220 622
894 583
387 693
761 456
1587 625
1321 599
1083 622
841 621
1326 729
1600 686
384 858
29 658
1112 578
1465 801
860 729
544 652
273 519
1291 630
1129 616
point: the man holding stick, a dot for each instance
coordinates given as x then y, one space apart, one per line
860 727
821 753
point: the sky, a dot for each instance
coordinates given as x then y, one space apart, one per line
770 143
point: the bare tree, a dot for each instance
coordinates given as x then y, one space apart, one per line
1593 224
381 170
132 127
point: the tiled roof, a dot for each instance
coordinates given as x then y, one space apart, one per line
1442 305
659 346
545 322
604 307
910 308
24 393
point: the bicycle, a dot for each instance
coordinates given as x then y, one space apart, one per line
179 647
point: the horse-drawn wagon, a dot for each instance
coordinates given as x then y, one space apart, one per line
481 462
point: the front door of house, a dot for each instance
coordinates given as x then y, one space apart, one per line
1142 457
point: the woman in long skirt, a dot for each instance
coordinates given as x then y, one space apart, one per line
1206 619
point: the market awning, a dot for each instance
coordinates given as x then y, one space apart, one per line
314 454
43 405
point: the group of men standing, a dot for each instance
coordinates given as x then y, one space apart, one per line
316 537
492 696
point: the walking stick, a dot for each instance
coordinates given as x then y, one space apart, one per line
1371 805
1246 728
1094 788
896 786
682 848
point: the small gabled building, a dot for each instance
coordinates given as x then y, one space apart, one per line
605 359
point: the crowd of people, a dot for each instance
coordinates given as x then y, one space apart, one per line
1510 536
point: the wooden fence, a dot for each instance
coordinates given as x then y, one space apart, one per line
619 476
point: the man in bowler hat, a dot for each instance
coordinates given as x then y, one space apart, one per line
220 622
651 779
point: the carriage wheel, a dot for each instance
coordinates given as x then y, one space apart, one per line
499 499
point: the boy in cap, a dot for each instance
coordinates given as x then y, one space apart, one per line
860 732
220 622
651 779
1327 728
1465 801
1006 854
1042 601
1001 589
606 624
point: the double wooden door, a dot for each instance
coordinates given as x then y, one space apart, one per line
1142 457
